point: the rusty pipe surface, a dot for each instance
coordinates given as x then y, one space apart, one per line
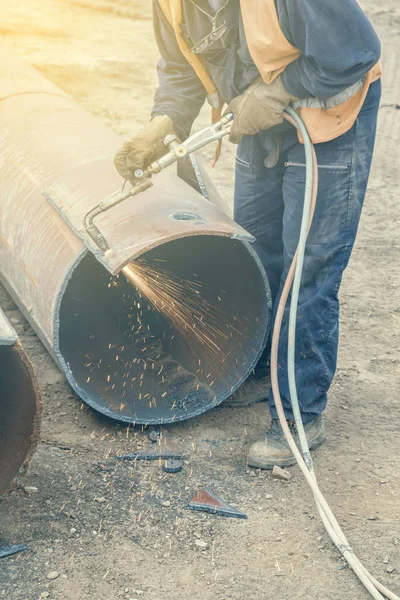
56 165
20 406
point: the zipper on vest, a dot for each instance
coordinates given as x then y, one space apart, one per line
294 164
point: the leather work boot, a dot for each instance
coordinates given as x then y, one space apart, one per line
253 390
274 449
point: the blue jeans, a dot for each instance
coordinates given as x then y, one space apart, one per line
269 202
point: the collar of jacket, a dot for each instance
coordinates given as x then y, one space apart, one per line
173 12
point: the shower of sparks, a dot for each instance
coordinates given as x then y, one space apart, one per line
194 312
180 301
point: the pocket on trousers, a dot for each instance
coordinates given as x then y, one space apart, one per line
328 160
242 163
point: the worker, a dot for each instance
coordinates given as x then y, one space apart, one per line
259 57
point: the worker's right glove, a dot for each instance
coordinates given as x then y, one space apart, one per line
143 149
260 107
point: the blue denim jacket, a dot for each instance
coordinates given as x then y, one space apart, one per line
338 44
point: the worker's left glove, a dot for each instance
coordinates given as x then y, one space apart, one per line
146 147
260 107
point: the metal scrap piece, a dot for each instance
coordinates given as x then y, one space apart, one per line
151 456
206 501
10 550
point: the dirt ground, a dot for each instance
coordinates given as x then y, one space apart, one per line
113 532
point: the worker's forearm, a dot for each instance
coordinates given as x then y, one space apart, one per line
338 44
180 96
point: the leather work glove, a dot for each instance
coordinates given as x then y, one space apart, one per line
144 148
260 107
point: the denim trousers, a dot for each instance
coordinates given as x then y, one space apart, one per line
269 204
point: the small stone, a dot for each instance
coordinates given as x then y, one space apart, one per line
395 541
382 481
44 595
31 489
253 474
372 518
139 592
172 466
385 561
280 473
73 488
390 570
72 530
166 503
53 575
154 436
202 545
100 500
63 414
69 515
268 496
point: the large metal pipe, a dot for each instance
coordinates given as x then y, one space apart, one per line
20 406
55 166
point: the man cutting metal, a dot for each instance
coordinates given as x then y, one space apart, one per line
259 57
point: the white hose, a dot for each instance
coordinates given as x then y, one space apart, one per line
374 587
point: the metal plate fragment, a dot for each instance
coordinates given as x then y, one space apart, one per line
150 456
206 501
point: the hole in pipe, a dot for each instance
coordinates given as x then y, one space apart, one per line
186 216
133 363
